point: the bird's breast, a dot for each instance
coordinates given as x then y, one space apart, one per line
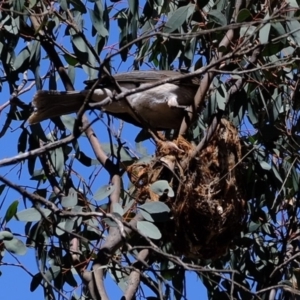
160 107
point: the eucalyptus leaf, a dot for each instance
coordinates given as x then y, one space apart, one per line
15 246
129 205
6 236
60 229
98 22
149 229
58 161
217 17
11 211
155 207
178 18
161 187
265 165
70 200
32 214
117 208
243 15
22 59
78 5
104 192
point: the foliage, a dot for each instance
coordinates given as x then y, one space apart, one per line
247 55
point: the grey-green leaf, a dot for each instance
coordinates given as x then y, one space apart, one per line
78 5
58 161
60 229
243 15
70 200
149 229
15 246
21 59
265 165
117 208
98 23
162 186
179 17
6 235
155 207
104 192
32 214
11 211
217 17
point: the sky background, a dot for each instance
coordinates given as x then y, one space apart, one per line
15 282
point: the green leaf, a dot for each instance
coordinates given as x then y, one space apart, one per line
217 17
178 18
155 217
32 214
221 101
161 187
60 228
280 30
35 53
147 216
143 135
253 226
275 172
247 31
6 236
71 200
155 207
123 153
178 282
97 19
69 224
294 26
79 43
110 222
58 161
78 5
72 61
264 33
15 246
18 5
104 192
63 4
149 229
265 165
243 15
129 205
2 187
35 282
70 279
22 60
69 122
11 211
53 272
133 6
22 142
117 208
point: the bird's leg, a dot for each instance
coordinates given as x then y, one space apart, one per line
100 105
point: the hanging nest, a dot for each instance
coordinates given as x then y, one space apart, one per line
208 206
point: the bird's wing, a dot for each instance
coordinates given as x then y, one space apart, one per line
136 78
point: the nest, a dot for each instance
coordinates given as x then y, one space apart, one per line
208 207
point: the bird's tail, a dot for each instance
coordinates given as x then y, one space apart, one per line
50 104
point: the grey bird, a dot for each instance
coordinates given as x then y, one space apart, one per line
161 107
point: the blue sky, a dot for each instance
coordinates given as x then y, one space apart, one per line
14 282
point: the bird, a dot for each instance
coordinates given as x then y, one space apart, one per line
159 108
